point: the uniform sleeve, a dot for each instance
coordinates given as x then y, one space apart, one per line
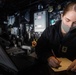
43 47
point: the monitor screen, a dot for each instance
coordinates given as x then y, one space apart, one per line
15 31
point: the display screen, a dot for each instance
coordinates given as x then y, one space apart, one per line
14 31
40 21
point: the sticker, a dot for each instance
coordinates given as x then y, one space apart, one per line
64 49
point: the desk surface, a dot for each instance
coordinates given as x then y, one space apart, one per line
42 69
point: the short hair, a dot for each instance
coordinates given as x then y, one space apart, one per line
69 7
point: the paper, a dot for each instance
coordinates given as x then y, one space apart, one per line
64 64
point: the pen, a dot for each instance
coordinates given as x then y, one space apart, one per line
53 53
56 57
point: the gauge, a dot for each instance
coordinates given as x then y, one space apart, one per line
50 8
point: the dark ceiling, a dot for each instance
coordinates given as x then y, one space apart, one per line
8 7
12 6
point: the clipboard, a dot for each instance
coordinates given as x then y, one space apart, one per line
64 64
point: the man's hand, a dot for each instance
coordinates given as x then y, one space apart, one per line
53 62
72 67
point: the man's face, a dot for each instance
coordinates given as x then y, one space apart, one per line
68 21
